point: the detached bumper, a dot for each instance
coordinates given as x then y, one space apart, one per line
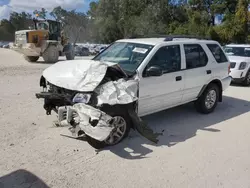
28 49
81 117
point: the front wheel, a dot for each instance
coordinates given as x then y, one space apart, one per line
122 125
246 82
70 55
208 101
51 54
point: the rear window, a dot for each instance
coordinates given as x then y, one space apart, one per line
218 53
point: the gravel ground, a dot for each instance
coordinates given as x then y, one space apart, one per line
195 150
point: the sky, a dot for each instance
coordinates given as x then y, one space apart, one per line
7 6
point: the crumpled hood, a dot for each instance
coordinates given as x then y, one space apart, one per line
77 75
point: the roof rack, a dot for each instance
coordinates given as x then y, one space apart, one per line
172 37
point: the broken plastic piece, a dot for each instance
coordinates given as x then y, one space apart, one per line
142 127
86 114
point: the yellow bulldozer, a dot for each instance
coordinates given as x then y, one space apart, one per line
46 40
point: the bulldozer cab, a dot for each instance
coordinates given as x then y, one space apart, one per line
53 27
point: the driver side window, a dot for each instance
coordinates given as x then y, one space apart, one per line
168 58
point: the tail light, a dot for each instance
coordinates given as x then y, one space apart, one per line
242 65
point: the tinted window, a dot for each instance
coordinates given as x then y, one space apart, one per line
195 56
217 52
168 58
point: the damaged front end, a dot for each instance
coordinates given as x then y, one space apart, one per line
99 101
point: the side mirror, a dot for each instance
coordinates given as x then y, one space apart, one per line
153 71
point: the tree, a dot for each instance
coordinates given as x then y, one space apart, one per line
240 22
41 13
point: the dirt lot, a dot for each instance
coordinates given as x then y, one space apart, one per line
195 150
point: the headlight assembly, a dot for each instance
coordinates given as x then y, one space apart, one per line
81 98
242 65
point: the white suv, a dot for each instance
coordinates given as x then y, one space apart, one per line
176 71
152 74
239 57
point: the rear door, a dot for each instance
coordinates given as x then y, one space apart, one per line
219 60
160 92
198 70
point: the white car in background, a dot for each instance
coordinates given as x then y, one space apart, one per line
239 57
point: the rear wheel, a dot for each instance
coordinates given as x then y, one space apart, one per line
32 58
208 101
70 55
246 82
51 54
122 124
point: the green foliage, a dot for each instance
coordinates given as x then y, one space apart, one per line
40 13
109 20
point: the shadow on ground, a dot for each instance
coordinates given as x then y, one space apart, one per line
178 125
238 85
43 62
21 179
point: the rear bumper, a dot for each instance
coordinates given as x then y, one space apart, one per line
226 82
28 49
238 74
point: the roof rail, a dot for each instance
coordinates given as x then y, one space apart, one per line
171 37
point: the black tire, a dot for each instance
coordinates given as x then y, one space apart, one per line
70 55
246 81
51 54
200 104
114 112
32 58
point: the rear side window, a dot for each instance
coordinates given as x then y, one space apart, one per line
195 56
218 53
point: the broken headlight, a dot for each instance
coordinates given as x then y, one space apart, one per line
81 98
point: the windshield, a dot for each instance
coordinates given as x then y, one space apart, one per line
237 51
42 26
128 55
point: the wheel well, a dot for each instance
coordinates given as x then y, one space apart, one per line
218 83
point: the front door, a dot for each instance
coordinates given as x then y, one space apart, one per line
157 93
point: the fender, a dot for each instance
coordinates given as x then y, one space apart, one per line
205 86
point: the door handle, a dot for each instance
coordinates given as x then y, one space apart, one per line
209 71
178 78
